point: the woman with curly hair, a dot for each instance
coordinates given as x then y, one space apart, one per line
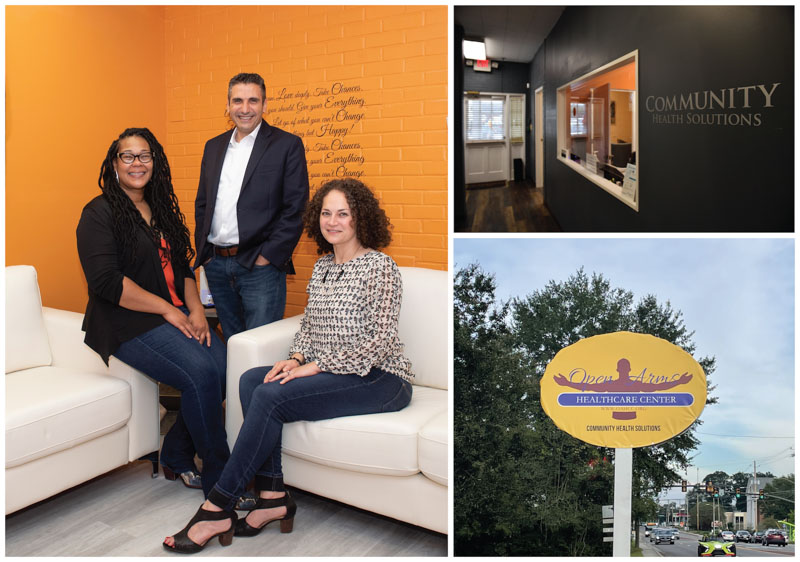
143 303
346 360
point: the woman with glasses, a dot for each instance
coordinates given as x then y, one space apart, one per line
144 306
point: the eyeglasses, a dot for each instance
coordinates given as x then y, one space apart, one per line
128 158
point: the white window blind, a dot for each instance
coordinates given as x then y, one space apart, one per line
517 118
577 120
485 119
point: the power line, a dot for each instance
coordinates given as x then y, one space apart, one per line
735 461
748 436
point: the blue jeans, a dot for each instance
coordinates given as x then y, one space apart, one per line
245 298
267 406
167 355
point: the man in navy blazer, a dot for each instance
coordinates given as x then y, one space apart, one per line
249 211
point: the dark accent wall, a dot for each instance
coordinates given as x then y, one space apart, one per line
536 79
701 177
508 78
459 173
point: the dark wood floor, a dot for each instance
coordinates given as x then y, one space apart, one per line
513 207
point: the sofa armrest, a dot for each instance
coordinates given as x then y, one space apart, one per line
258 347
69 350
144 426
66 341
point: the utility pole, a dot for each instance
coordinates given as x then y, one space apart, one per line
755 498
697 498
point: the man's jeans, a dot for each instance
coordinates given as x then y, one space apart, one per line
167 355
245 299
267 407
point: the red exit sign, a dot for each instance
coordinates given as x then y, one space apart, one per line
483 65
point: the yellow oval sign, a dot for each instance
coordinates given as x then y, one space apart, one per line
623 390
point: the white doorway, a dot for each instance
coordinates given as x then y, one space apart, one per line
493 135
538 132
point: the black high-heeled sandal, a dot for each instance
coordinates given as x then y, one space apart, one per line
185 545
243 528
190 478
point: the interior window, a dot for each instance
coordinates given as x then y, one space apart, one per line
598 126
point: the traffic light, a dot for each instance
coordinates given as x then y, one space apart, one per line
683 485
709 487
716 492
761 494
738 492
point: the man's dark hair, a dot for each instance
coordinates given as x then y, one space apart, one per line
247 78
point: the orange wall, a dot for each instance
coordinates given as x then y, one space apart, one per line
76 77
86 73
393 62
622 78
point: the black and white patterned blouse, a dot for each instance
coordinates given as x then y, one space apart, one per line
350 325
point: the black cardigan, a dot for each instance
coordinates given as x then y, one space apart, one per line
107 324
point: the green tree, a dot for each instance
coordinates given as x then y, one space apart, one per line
643 510
705 511
778 499
739 480
493 476
768 523
523 486
726 486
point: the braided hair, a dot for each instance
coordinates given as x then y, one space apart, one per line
158 193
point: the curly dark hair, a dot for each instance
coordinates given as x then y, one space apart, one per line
167 217
371 223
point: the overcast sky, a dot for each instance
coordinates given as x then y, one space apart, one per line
736 294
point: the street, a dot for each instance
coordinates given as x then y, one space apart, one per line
687 546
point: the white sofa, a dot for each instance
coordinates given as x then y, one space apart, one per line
394 464
69 418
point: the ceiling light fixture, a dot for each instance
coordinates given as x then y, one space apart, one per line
475 50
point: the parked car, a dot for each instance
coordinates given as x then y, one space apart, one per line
664 535
743 536
773 536
728 536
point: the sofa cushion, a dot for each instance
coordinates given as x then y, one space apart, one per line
433 449
384 443
49 409
27 344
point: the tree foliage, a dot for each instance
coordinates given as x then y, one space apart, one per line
739 480
523 486
778 502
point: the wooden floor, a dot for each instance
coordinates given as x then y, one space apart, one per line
515 207
127 513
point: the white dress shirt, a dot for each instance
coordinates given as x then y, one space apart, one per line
225 224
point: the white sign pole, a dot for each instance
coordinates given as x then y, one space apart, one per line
623 476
